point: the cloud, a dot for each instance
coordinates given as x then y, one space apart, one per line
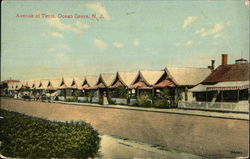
118 45
55 34
75 28
247 2
80 25
61 55
189 42
217 28
188 21
136 42
58 47
98 8
63 46
100 44
177 44
202 30
218 36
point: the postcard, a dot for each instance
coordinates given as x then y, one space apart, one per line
124 79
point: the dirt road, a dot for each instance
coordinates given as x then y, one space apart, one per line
204 136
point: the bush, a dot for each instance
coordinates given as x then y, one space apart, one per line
28 137
73 99
144 100
100 100
91 94
120 92
8 95
110 101
160 103
77 93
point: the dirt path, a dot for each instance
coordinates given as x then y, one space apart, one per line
204 136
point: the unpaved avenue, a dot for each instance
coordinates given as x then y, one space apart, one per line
205 136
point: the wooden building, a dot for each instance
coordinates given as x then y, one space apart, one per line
227 83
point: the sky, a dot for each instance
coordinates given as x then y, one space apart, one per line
50 39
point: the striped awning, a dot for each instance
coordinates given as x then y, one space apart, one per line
237 85
220 86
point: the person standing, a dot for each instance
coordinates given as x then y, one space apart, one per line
105 99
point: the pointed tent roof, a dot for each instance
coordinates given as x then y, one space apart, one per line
150 77
43 84
78 82
67 81
107 78
55 83
30 83
36 84
187 76
11 86
24 84
91 80
127 77
18 86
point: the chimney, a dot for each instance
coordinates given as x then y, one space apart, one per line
212 64
224 59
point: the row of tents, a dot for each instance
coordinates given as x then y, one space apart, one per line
152 81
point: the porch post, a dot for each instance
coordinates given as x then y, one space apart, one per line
137 93
186 94
238 95
221 96
64 94
153 92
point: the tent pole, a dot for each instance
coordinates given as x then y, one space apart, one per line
221 97
238 95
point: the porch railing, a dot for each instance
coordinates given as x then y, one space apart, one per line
242 106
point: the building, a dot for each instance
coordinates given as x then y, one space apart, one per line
226 87
227 83
104 82
180 79
144 82
89 89
120 87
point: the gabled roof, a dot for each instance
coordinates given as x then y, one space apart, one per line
30 83
68 81
150 77
91 80
127 77
44 83
18 86
187 76
11 86
107 78
24 83
231 72
36 84
78 81
56 83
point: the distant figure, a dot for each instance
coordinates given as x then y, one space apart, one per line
105 99
37 96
